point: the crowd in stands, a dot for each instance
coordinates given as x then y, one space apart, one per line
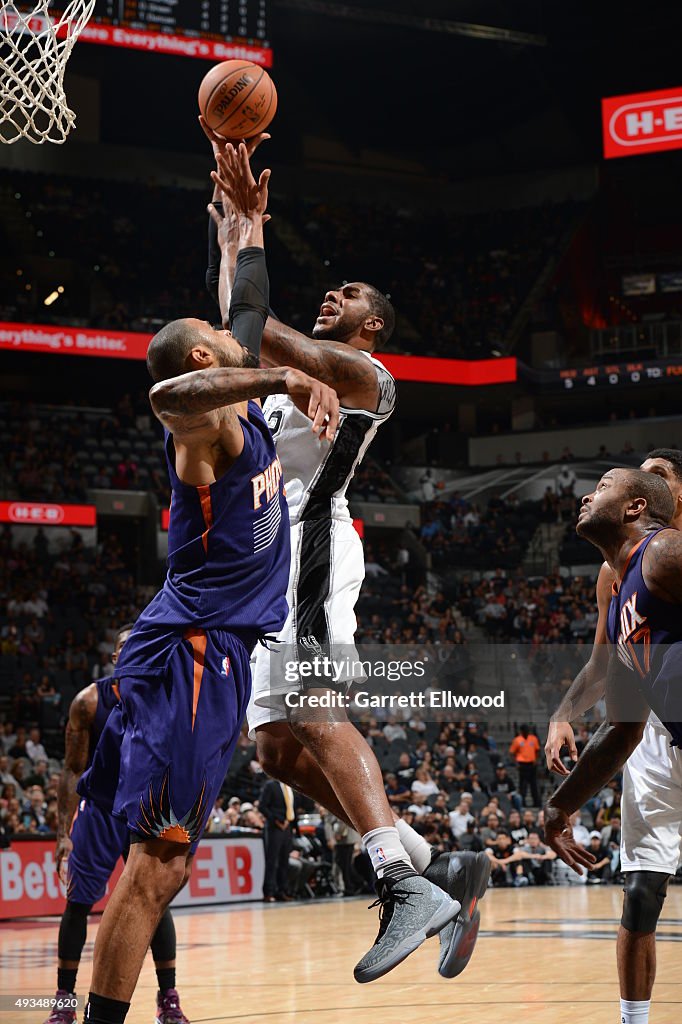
455 785
454 781
132 255
57 453
461 533
458 279
58 619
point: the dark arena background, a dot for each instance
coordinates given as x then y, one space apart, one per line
508 174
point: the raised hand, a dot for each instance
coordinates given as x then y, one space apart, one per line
235 180
219 143
227 225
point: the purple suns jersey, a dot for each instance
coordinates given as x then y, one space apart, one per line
647 635
228 556
107 699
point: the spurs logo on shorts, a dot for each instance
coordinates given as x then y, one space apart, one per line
311 643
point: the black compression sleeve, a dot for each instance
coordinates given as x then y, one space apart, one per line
250 298
163 942
213 269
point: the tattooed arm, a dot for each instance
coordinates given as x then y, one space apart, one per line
343 367
662 566
197 409
81 716
602 758
588 686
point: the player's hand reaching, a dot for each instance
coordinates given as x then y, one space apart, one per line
560 734
559 836
235 180
227 225
219 143
317 400
62 852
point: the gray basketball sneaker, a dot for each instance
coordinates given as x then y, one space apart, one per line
412 910
465 877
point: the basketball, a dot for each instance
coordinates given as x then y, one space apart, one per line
238 99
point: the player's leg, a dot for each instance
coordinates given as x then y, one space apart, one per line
463 876
154 872
72 934
181 730
650 849
98 841
284 758
164 949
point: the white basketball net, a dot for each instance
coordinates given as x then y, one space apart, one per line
34 50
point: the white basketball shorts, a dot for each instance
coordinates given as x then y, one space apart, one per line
651 807
327 570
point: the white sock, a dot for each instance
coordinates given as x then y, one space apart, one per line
418 850
634 1011
384 847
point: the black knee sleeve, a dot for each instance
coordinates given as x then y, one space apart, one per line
72 931
163 940
645 892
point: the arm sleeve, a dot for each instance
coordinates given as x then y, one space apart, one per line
250 298
213 269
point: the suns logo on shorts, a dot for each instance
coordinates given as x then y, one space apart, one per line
226 666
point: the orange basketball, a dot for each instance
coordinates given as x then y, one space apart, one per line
238 99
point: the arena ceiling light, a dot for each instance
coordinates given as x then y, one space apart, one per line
53 296
444 25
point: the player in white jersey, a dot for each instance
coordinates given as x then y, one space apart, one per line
651 806
327 758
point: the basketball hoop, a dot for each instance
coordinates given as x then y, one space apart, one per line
34 50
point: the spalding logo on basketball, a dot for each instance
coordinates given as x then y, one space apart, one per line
238 99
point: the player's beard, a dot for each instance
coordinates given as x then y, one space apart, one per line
342 329
251 361
598 527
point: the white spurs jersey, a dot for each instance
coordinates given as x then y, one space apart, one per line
317 473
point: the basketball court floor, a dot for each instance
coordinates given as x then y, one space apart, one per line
541 952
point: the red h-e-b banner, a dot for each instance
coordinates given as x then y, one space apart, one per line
643 122
39 513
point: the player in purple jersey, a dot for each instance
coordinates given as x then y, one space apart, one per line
89 843
650 805
184 674
627 518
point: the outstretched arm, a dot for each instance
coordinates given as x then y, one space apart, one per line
602 758
342 367
81 716
189 405
244 292
588 686
219 145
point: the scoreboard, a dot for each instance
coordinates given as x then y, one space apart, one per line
610 375
210 29
214 19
